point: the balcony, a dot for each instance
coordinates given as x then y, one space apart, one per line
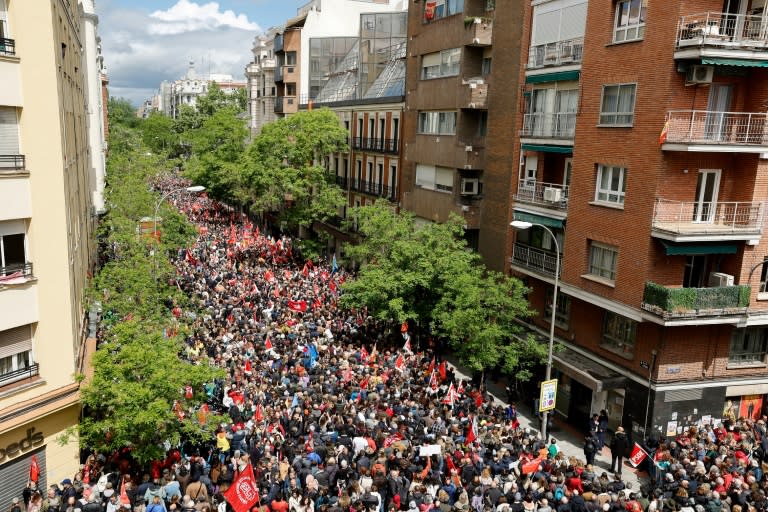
474 94
376 145
699 221
554 127
33 370
15 274
479 31
560 53
13 163
673 303
708 131
18 303
717 34
286 104
278 43
374 189
537 260
547 195
278 75
7 46
341 181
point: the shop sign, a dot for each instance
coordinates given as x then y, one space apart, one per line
31 440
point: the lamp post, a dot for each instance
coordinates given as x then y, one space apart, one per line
194 189
519 224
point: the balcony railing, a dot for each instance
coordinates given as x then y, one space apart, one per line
341 181
374 188
479 31
550 195
560 53
15 273
375 144
278 74
708 218
474 95
535 259
7 46
12 163
672 302
739 31
30 371
549 125
724 128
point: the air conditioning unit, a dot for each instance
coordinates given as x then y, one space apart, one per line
470 187
700 74
553 195
468 149
717 279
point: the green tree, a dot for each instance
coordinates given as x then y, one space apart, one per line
120 111
157 133
187 119
284 171
425 273
216 99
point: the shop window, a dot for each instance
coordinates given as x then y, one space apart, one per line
748 346
619 335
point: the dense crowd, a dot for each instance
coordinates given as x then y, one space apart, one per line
335 412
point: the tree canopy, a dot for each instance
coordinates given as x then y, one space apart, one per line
425 273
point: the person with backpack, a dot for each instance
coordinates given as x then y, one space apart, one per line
590 448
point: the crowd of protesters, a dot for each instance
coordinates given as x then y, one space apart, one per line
334 412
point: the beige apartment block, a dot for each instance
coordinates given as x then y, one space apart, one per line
47 246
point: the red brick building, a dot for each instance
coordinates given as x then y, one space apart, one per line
640 142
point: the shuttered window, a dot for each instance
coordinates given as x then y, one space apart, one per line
14 475
9 131
558 21
15 351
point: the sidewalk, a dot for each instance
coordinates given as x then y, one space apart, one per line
569 439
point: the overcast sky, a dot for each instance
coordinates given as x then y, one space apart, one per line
147 41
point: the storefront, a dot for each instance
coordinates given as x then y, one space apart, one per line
746 401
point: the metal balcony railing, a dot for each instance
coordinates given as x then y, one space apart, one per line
560 53
374 188
725 30
671 302
341 181
708 218
12 163
14 272
7 46
709 127
532 258
550 125
550 195
375 144
22 373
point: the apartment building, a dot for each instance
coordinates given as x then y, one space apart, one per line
448 95
367 91
260 77
641 143
187 89
46 233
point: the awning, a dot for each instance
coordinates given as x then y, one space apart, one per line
683 249
587 371
544 148
538 219
559 76
736 62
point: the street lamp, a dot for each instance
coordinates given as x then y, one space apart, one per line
194 189
519 224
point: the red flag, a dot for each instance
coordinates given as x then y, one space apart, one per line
441 369
472 431
404 327
531 466
305 270
269 276
248 367
297 305
364 384
34 469
432 365
664 133
124 499
460 389
287 274
332 286
259 414
244 493
450 397
433 381
400 362
363 355
188 392
268 344
637 456
389 441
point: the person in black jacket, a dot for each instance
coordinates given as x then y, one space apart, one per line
619 447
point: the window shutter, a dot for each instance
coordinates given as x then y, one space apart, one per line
430 59
574 21
15 475
9 131
546 27
425 175
444 177
16 340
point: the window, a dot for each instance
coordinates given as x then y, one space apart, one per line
436 9
434 178
602 261
440 64
611 184
563 310
630 20
619 334
290 58
15 352
12 247
764 276
618 105
437 123
748 346
486 66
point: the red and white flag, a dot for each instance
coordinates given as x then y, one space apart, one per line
244 493
460 389
400 362
531 466
268 344
389 441
34 469
297 305
407 345
450 397
472 431
259 414
637 456
433 384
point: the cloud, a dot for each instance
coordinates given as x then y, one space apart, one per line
186 16
138 57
